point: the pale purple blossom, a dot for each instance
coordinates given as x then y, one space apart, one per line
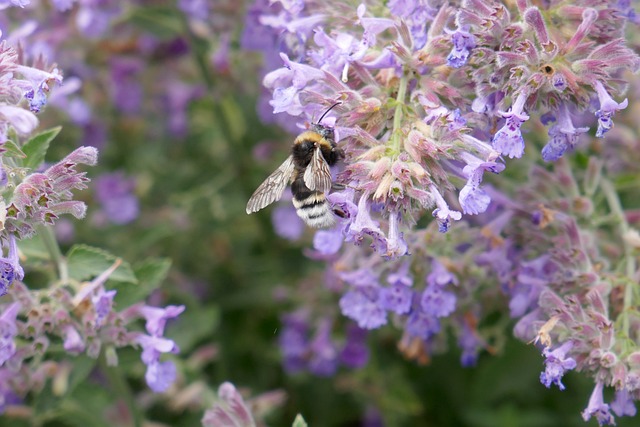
563 136
598 408
8 331
608 107
556 364
362 304
508 140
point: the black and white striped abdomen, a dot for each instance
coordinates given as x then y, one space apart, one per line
314 210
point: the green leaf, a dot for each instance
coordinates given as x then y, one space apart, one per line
149 274
299 421
161 21
82 367
12 150
36 148
86 262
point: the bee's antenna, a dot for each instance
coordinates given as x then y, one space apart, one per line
325 113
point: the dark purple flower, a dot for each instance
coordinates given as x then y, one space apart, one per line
115 194
508 140
598 408
362 304
355 353
556 364
463 41
608 107
563 136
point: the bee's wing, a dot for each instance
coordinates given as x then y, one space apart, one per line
272 187
317 176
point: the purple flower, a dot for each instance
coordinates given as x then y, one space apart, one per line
36 84
508 140
437 302
598 408
439 275
395 244
463 41
286 222
442 213
102 304
328 242
422 325
73 342
396 298
556 364
10 268
363 224
293 341
473 199
114 192
608 108
157 317
362 304
355 353
323 360
8 331
23 121
470 344
623 404
126 90
563 136
160 375
195 9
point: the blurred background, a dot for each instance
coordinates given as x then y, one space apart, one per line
171 95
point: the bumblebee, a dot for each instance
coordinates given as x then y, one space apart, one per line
307 169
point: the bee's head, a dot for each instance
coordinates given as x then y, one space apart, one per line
324 131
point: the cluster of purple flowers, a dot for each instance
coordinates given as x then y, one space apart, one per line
431 98
81 317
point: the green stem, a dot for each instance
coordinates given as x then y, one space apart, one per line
630 263
121 389
397 115
50 242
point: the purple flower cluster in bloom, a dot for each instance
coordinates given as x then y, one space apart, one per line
430 99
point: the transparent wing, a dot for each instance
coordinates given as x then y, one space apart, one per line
317 176
272 187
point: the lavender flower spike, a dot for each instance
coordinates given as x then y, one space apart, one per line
598 408
10 268
8 331
608 108
508 140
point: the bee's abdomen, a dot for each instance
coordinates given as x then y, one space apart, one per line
314 210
